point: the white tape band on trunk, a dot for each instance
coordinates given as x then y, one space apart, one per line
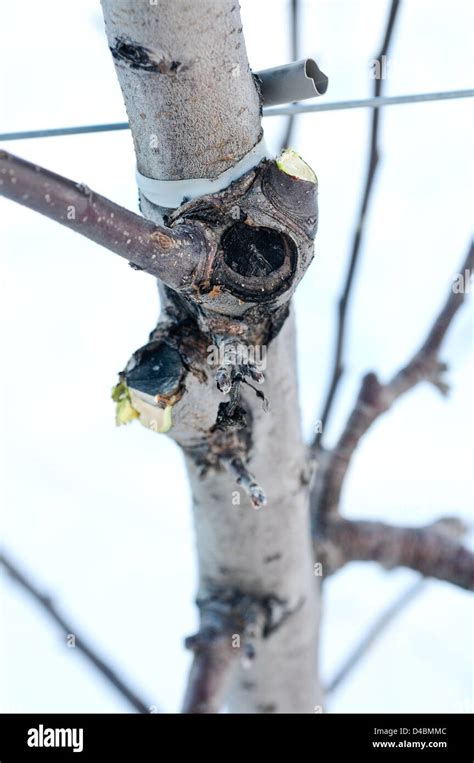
171 193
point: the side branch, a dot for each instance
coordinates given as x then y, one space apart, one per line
375 398
433 550
170 254
344 300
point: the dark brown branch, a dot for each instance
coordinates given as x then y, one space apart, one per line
170 254
433 550
375 398
294 39
80 642
343 305
385 619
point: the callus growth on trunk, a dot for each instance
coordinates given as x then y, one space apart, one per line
237 303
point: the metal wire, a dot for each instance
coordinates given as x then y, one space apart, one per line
291 108
375 103
57 131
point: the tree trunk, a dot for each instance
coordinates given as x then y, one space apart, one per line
194 111
266 553
190 96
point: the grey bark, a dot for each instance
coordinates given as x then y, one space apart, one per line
267 553
186 82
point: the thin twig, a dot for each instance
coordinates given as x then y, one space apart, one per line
294 36
246 481
381 624
338 367
69 630
170 254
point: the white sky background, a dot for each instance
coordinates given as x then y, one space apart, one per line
101 515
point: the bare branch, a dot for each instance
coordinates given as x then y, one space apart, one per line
375 398
294 36
338 367
433 550
80 642
381 624
170 254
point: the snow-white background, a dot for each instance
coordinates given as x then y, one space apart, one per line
100 515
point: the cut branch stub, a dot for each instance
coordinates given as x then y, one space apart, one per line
150 385
259 242
252 251
263 227
257 263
